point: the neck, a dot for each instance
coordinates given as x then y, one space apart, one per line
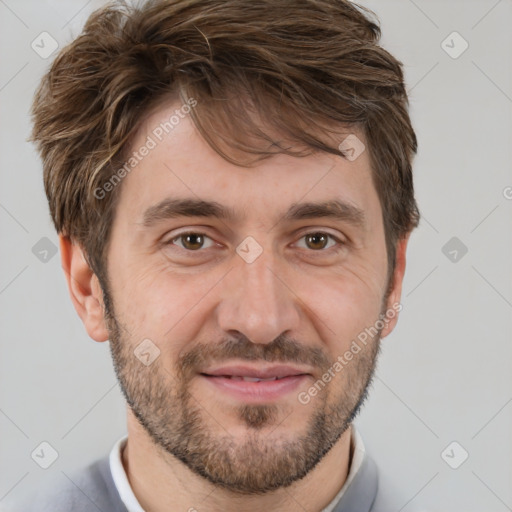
161 482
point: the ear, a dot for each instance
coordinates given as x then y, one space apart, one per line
396 286
84 289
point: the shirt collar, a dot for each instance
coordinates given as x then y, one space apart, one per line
358 451
131 503
121 479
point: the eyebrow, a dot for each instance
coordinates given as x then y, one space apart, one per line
173 207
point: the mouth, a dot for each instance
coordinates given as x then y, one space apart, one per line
255 384
247 378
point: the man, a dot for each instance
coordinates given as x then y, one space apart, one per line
231 182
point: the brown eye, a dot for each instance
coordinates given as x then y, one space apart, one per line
317 241
322 242
191 241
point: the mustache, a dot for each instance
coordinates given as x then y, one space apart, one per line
282 349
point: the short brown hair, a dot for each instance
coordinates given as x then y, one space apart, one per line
299 67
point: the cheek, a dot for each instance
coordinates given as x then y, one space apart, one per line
142 302
343 304
163 306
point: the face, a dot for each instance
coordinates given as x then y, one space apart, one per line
234 292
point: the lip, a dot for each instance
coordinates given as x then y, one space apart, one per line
288 380
279 371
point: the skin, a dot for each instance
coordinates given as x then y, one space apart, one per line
207 306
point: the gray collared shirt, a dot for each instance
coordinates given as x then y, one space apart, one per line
93 489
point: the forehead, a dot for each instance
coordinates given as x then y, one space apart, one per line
172 160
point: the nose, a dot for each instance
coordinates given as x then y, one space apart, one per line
257 301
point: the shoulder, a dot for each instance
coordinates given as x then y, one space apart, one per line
391 497
88 489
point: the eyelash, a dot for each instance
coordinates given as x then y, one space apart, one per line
340 243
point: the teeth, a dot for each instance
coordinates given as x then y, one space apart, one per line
255 379
252 379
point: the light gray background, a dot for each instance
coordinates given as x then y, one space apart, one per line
445 372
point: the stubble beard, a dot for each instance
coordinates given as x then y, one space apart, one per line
264 460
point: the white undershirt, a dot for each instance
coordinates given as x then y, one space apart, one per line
131 503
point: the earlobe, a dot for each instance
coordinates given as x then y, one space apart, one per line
84 289
393 302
